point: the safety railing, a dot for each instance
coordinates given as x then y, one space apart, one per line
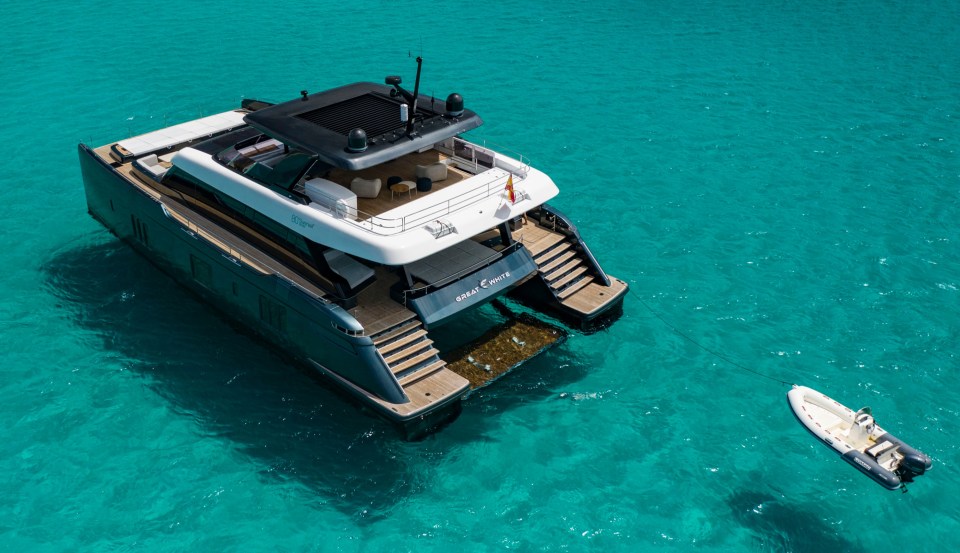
486 185
479 157
475 158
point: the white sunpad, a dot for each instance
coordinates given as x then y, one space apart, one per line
184 132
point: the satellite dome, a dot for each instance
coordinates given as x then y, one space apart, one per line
357 140
454 105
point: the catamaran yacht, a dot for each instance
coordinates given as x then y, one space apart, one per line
343 226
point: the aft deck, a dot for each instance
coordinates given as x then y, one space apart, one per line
375 309
404 167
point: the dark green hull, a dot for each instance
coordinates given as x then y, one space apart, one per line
303 327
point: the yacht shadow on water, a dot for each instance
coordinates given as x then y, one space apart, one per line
235 388
778 526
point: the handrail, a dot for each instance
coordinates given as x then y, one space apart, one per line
386 225
494 184
568 228
228 249
494 154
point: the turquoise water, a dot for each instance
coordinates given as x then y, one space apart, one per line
779 181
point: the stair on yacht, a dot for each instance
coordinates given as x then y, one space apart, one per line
566 271
408 352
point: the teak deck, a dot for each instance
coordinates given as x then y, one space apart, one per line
375 309
405 168
587 300
595 296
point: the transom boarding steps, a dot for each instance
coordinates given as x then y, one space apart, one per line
408 352
571 282
559 264
432 390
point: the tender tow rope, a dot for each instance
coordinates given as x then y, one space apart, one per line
703 347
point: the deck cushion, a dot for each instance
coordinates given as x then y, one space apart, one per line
434 171
365 188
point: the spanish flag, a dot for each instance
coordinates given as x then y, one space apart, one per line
510 193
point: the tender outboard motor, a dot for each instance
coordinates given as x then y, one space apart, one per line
915 462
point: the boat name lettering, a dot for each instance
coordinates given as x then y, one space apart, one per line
301 222
468 293
484 283
861 463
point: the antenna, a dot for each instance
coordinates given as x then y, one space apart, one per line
413 101
394 81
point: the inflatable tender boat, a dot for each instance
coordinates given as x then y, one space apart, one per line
857 438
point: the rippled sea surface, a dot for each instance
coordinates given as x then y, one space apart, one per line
778 181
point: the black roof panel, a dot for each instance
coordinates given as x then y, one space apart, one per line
320 123
374 114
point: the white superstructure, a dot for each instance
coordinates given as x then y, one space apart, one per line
400 235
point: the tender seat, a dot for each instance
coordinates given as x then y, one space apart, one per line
879 449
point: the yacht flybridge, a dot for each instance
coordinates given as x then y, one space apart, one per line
343 226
